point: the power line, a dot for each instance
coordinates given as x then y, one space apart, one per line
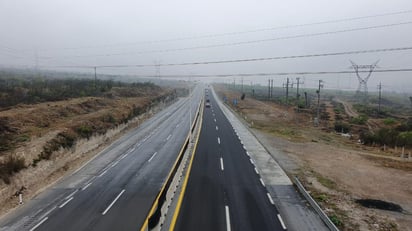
240 32
274 74
247 60
238 43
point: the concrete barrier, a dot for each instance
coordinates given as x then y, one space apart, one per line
154 214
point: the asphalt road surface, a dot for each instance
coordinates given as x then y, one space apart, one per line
224 190
114 191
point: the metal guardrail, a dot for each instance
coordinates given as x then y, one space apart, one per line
154 214
315 206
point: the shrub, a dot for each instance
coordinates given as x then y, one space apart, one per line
389 121
342 127
335 219
360 120
10 166
85 131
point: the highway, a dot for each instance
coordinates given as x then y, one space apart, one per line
115 190
224 189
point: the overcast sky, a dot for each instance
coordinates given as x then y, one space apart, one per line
128 32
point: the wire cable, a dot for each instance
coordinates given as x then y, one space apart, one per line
240 43
246 60
272 74
240 32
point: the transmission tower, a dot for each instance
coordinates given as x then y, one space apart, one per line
363 87
157 64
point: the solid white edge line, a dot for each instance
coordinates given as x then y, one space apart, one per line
38 224
218 140
221 164
101 174
65 203
227 218
71 194
115 163
281 222
87 185
154 154
270 198
114 201
261 181
48 212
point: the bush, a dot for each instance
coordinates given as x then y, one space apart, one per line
360 120
342 127
62 140
85 131
335 219
11 166
389 121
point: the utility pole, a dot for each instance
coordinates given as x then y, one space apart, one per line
287 91
306 99
410 98
242 83
380 97
95 79
317 119
269 89
297 89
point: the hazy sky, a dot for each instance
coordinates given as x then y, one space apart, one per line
102 32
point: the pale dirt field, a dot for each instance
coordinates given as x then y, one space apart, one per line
334 167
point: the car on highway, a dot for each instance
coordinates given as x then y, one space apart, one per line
207 104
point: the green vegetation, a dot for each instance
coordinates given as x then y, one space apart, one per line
389 121
342 127
320 197
360 120
335 219
398 136
326 182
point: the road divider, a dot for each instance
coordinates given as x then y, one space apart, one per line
154 214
